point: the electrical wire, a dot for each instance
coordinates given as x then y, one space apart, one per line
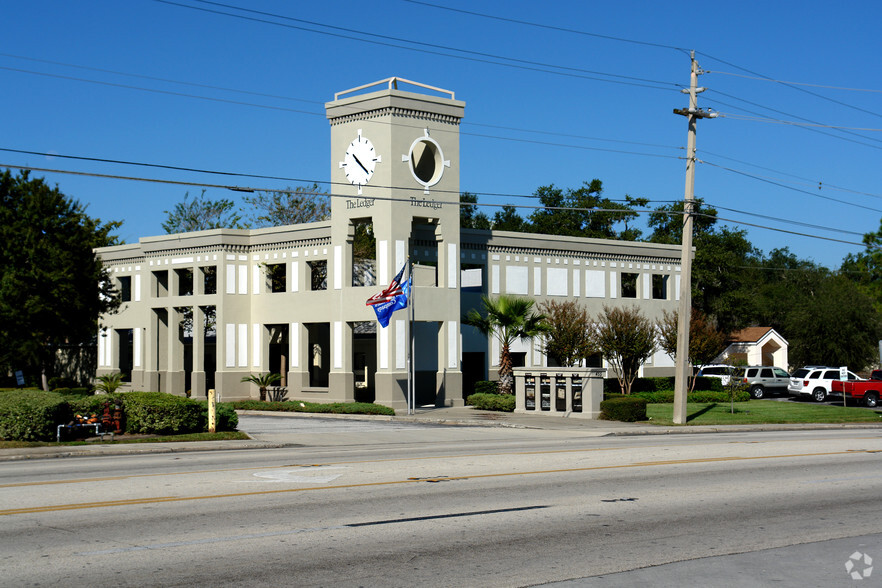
408 199
547 27
794 123
796 87
767 79
811 182
758 178
468 55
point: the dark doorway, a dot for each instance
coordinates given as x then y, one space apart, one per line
474 369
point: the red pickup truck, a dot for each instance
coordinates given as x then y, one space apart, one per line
870 390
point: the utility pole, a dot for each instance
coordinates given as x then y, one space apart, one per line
681 380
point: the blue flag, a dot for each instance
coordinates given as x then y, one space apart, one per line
391 299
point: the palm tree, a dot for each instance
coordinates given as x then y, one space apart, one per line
108 383
263 382
508 318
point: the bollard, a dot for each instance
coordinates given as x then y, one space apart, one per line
212 412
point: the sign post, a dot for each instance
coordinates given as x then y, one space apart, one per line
212 411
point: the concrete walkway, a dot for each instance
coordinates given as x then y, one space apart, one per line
449 416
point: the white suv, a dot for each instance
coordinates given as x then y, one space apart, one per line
815 382
722 371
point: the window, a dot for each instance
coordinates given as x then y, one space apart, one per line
364 253
779 373
318 274
766 373
125 289
185 281
629 285
160 284
659 287
209 279
276 274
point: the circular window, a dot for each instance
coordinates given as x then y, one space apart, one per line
426 161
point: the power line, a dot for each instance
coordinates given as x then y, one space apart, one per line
758 178
794 123
394 199
312 181
475 56
273 96
811 182
543 26
767 79
791 115
796 87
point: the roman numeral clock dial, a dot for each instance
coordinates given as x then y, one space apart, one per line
360 161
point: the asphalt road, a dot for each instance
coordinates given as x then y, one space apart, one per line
454 506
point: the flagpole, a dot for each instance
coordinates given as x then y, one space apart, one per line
411 376
411 405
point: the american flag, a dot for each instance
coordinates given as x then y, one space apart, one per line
389 293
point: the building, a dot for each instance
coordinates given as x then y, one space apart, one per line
756 346
201 310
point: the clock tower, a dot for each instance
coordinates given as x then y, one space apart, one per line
395 186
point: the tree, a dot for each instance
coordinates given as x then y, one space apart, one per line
508 219
303 204
202 214
706 342
570 329
837 325
626 339
566 212
262 381
53 286
469 216
723 270
865 269
507 318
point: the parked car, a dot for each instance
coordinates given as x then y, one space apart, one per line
816 382
867 390
722 371
761 379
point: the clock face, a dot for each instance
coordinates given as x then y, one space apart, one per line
360 161
426 161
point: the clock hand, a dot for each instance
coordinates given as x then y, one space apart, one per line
360 164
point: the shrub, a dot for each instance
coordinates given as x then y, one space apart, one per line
626 409
62 382
498 402
303 406
486 387
611 385
160 413
74 391
227 419
32 415
667 396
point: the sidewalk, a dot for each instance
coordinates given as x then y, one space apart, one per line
463 416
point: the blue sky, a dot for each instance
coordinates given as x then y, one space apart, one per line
589 94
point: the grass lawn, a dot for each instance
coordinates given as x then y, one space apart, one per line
758 412
118 439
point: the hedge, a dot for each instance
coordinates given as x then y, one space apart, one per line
611 385
667 396
298 406
497 402
34 415
486 387
623 408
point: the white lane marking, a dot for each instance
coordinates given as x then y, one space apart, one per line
315 475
